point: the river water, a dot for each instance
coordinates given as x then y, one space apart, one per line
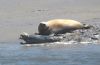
49 54
17 16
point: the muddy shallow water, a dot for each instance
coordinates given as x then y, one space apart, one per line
17 16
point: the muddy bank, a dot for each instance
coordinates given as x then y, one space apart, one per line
89 35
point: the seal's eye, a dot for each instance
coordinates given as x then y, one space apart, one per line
43 26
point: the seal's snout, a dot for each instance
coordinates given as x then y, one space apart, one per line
21 36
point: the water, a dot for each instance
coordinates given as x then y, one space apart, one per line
49 54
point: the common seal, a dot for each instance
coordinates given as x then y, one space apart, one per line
60 26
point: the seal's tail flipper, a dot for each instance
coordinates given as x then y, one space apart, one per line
86 26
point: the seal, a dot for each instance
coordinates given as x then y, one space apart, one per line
37 39
60 26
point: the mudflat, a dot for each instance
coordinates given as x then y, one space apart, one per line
17 16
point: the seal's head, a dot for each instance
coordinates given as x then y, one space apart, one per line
43 28
24 35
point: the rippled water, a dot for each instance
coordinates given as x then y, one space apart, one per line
49 54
